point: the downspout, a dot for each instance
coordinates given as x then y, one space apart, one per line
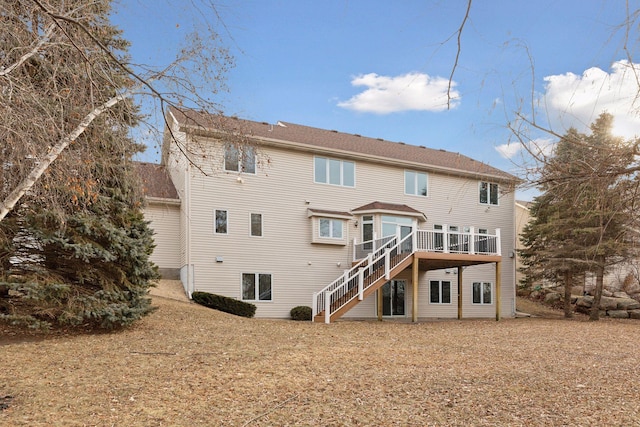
187 182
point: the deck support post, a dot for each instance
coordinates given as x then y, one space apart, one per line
498 286
459 292
414 283
379 297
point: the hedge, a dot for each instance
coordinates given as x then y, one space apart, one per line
226 304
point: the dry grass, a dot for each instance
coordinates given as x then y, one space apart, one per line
186 365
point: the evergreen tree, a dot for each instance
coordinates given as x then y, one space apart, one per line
580 221
76 249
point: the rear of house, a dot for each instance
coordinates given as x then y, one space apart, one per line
276 217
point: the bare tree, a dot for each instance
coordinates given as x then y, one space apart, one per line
45 47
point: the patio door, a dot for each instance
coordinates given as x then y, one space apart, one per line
393 298
398 226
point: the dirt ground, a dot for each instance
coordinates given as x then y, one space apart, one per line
186 365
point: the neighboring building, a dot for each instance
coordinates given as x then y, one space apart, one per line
522 218
277 215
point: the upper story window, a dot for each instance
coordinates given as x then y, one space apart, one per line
415 183
255 225
488 193
239 159
220 222
334 172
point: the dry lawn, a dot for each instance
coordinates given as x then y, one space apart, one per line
187 365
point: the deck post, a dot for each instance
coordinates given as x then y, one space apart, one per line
498 242
414 283
472 240
360 284
379 298
327 307
498 286
445 238
314 306
387 263
459 292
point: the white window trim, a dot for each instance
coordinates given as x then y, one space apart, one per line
416 183
261 225
215 211
440 292
257 274
240 157
488 202
331 220
327 172
482 294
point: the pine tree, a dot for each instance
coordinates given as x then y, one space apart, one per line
580 221
76 249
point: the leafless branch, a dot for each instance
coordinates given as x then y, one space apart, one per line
455 64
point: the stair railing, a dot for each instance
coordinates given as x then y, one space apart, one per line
356 280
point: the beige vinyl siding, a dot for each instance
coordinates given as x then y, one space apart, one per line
285 190
165 222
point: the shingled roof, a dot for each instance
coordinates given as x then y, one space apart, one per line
156 181
341 142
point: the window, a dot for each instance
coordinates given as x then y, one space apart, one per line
488 193
438 237
221 222
334 172
330 228
440 291
482 292
255 225
367 232
415 183
239 159
256 287
483 240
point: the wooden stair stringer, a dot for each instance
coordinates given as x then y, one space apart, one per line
377 284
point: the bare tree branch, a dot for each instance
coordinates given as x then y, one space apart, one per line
455 64
14 196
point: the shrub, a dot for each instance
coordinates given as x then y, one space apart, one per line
226 304
301 312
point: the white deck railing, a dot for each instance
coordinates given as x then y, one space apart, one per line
378 257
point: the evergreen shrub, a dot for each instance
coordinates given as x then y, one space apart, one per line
301 312
226 304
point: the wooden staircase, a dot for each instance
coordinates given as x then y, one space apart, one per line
372 283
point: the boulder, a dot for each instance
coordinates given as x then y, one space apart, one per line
583 309
620 294
607 293
618 314
552 298
535 295
628 304
634 314
608 303
585 301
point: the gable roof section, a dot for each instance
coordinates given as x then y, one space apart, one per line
156 181
347 144
383 207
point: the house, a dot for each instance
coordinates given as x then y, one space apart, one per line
282 215
523 217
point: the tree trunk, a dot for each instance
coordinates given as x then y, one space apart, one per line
568 281
597 296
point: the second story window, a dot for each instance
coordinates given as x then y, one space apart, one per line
415 183
239 159
334 172
488 193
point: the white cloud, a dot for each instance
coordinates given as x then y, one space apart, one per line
540 147
577 100
408 92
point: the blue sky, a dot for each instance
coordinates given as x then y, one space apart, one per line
381 68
